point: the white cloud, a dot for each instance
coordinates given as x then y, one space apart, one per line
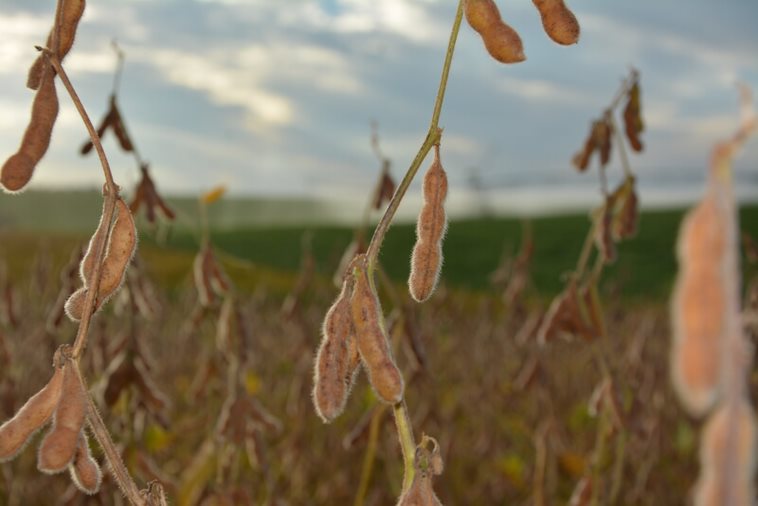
543 91
225 83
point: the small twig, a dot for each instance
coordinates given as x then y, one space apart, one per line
55 62
119 66
407 442
432 138
584 256
110 193
116 464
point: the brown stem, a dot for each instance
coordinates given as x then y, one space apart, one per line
55 62
116 464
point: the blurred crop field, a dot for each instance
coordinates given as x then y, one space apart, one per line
512 418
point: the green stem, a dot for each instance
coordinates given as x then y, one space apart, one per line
432 138
407 442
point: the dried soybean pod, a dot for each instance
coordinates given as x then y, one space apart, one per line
481 14
371 337
87 265
84 470
122 244
15 433
74 306
72 11
333 375
503 43
58 448
18 169
559 22
699 306
727 457
426 260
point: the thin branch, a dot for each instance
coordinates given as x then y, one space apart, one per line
55 62
407 442
116 464
432 138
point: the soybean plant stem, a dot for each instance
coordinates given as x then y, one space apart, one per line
407 442
110 193
120 473
55 62
432 138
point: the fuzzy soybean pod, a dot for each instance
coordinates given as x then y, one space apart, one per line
70 15
18 169
58 449
371 338
122 242
84 470
426 260
728 457
559 22
335 362
16 432
699 306
501 41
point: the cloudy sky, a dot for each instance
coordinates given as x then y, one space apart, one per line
277 97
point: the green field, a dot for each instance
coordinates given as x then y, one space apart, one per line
472 249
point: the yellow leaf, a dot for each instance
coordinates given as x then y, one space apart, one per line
213 195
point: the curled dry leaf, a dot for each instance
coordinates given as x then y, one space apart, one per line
625 212
426 259
337 360
371 337
210 279
385 187
114 121
566 316
58 448
71 13
633 124
16 432
604 241
18 169
502 42
599 139
558 21
147 194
